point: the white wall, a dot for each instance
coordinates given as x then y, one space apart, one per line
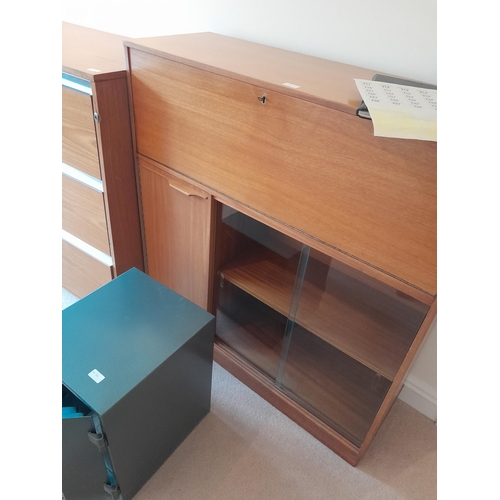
420 390
392 36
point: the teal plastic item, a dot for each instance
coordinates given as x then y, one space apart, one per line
139 357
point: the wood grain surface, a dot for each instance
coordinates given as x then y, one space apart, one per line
85 50
318 80
177 227
114 139
79 143
82 274
316 169
83 214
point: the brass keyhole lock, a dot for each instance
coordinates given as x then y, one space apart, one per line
262 99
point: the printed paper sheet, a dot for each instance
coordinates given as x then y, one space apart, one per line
400 111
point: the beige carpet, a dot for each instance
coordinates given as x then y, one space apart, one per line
245 449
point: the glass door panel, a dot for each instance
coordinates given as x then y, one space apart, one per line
332 386
350 336
327 335
256 274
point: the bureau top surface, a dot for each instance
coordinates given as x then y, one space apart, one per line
92 54
311 78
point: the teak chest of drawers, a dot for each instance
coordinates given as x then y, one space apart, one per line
267 201
100 217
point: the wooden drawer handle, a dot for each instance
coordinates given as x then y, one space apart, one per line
177 188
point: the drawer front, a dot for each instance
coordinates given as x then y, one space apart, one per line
316 169
83 214
82 274
79 144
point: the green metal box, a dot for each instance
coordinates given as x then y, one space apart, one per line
137 377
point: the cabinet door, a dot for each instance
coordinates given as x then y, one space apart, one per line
177 220
256 273
327 336
349 339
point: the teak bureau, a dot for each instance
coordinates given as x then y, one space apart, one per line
265 200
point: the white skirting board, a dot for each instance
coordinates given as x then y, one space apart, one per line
420 396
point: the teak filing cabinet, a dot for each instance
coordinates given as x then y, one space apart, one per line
100 218
267 201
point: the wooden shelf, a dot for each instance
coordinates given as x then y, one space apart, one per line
250 328
337 389
362 322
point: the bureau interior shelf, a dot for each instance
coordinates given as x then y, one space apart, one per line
334 387
252 329
376 332
337 389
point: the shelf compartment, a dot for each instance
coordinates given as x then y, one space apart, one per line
250 328
335 388
338 390
366 324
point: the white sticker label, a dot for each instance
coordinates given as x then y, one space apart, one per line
93 70
96 376
291 85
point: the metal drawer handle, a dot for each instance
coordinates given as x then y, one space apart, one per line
262 99
173 186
